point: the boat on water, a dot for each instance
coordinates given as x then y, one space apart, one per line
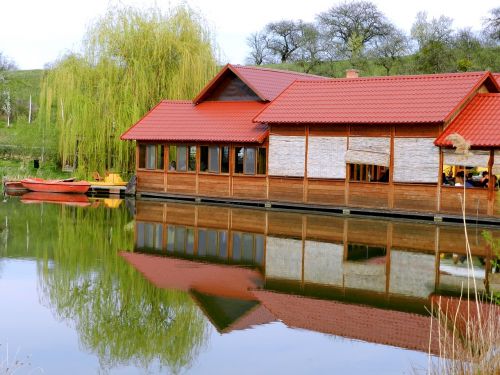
14 187
55 186
66 199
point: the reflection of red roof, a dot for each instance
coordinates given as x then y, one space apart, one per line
207 121
397 99
365 323
215 279
478 122
266 83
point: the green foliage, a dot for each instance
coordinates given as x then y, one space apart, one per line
494 244
132 59
21 84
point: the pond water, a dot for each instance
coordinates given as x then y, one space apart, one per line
127 287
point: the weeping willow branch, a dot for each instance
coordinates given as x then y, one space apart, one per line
131 59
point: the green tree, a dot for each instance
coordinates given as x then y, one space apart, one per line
131 59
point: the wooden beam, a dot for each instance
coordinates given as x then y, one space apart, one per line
491 187
305 186
391 169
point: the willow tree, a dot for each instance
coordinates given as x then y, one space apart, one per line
131 59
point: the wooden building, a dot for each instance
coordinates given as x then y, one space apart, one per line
375 143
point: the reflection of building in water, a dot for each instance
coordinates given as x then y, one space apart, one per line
359 278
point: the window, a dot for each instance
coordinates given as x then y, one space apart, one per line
248 248
369 173
151 156
362 253
149 236
250 160
212 243
192 159
182 158
214 159
180 240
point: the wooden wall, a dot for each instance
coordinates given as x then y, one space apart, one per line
311 248
306 165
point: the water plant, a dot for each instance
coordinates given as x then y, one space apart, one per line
130 60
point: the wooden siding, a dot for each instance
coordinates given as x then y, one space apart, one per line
247 220
325 228
181 183
330 192
286 155
249 187
213 217
414 197
286 189
231 88
412 236
415 160
475 158
476 200
284 224
326 157
421 131
213 185
370 195
150 181
149 211
181 214
369 150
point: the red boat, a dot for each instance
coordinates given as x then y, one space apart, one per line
12 187
55 186
60 198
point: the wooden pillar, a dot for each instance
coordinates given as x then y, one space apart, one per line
305 184
198 158
440 181
388 258
347 172
166 162
231 168
304 232
438 258
391 169
491 187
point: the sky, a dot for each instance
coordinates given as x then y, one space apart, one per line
35 32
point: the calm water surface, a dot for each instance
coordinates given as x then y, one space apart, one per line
146 287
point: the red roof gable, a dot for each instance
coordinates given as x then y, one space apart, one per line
266 83
478 123
207 121
394 99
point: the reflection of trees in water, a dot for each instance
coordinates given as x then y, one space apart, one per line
118 314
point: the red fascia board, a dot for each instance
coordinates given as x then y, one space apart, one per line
464 100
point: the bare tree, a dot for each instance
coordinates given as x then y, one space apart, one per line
350 26
284 38
311 52
388 50
6 63
259 50
439 30
492 24
7 106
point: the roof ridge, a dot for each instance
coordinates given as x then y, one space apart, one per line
177 101
238 66
401 77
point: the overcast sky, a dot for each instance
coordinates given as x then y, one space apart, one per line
35 32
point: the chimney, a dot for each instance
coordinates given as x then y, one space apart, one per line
351 73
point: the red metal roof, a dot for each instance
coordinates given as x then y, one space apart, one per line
394 99
388 327
266 83
207 121
478 123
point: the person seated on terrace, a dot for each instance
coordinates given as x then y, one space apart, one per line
485 179
469 182
172 166
459 179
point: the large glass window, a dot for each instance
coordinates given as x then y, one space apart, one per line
151 156
192 159
214 159
180 239
212 243
250 160
182 158
368 173
248 248
149 236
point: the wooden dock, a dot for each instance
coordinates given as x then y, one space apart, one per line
106 190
